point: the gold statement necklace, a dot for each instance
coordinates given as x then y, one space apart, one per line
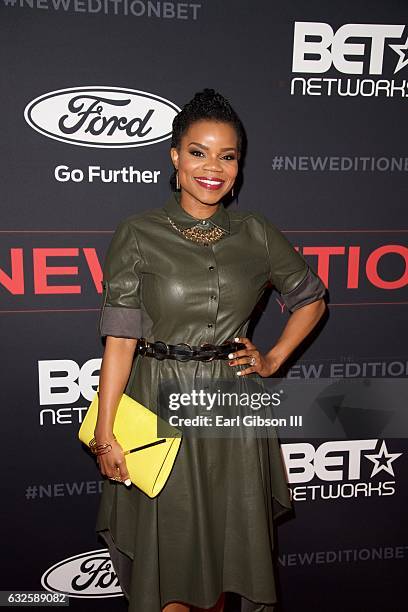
196 234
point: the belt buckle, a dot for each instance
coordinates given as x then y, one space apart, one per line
183 357
209 347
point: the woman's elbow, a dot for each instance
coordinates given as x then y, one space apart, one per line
315 309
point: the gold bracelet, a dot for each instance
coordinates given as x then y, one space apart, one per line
100 449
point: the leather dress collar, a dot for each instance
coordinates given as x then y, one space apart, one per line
182 218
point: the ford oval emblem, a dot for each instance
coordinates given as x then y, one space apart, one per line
89 574
112 117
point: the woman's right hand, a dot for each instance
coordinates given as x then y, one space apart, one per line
110 462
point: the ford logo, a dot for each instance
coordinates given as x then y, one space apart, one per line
89 574
102 116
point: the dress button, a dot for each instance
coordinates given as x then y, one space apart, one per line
213 297
210 325
211 267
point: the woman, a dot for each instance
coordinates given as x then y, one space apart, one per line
191 272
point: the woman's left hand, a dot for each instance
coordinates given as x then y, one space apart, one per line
261 364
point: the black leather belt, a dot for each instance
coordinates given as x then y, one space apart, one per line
185 352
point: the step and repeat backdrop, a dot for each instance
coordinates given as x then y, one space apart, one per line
89 92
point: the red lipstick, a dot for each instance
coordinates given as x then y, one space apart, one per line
209 182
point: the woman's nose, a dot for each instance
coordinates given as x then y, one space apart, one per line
213 163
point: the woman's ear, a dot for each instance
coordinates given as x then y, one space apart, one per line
174 157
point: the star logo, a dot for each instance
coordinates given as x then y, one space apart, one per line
402 51
383 455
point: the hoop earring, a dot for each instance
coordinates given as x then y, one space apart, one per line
177 181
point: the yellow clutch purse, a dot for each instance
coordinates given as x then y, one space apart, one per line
149 458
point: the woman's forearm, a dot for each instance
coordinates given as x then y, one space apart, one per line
299 325
114 374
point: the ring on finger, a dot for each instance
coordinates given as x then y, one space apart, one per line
253 361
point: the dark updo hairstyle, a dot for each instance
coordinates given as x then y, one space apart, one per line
207 104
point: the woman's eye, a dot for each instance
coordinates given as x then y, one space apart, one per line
197 153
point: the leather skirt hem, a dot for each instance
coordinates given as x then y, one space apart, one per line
122 562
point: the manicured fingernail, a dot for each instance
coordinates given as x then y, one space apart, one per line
127 482
238 373
236 339
231 356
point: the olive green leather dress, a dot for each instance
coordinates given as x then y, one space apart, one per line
210 530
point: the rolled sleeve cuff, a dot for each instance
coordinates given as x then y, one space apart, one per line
121 322
309 290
